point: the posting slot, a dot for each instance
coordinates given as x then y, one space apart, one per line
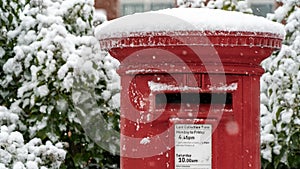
192 100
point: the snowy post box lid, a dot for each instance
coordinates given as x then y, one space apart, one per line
193 32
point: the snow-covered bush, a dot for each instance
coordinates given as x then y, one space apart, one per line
9 19
51 49
280 95
15 153
229 5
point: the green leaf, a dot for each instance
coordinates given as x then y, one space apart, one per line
280 109
269 166
293 159
42 134
10 18
282 166
277 158
294 142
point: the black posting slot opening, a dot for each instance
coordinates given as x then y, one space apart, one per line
193 98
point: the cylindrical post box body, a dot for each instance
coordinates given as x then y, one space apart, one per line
190 97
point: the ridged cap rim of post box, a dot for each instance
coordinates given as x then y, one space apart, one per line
198 27
218 38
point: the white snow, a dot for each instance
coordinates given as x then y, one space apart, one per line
2 52
186 19
99 17
287 116
54 47
225 87
42 91
145 141
137 71
156 87
115 101
8 66
15 153
15 137
280 87
61 105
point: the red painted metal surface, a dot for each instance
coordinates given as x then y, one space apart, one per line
157 67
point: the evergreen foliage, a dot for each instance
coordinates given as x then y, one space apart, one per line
47 47
280 95
228 5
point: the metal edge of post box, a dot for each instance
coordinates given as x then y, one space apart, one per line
182 107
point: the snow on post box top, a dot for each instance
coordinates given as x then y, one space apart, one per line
197 27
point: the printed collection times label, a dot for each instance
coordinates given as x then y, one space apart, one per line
193 146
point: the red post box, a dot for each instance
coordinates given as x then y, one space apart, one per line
190 87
